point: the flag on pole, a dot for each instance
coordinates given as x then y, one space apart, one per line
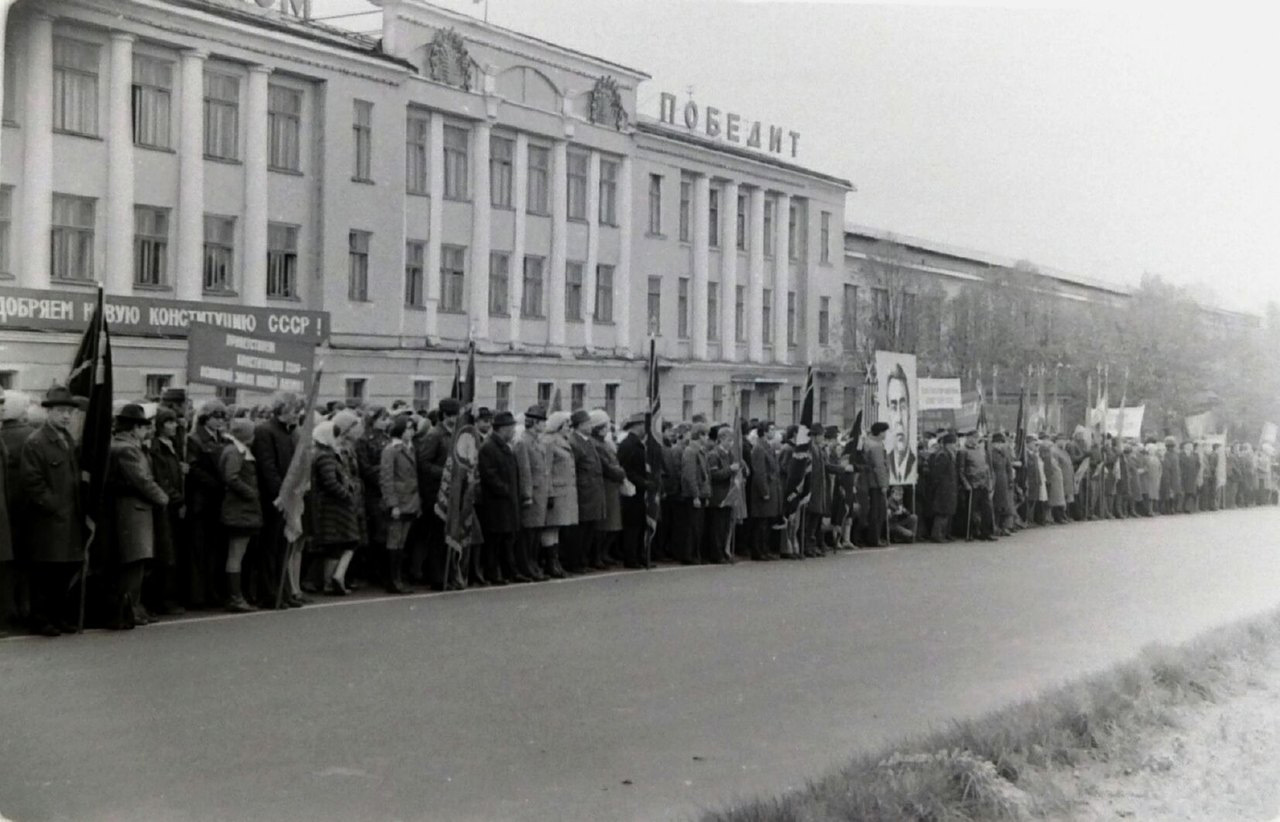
455 391
796 498
1020 430
982 424
91 378
291 502
652 450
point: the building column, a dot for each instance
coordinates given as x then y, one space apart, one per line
781 277
478 310
622 272
755 276
118 277
812 236
593 250
253 289
435 188
559 232
515 270
189 276
729 273
5 5
37 173
701 265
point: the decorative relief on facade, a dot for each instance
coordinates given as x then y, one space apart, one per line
606 104
448 61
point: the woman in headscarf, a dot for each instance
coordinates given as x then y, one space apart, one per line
336 494
562 495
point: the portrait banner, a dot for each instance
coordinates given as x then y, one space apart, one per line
898 394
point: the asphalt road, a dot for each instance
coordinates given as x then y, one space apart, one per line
628 696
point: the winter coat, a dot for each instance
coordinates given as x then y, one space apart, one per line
766 483
368 450
1068 474
7 481
973 467
1171 478
13 433
273 446
695 481
1189 464
1053 478
1135 467
1151 480
877 464
535 480
431 451
398 480
613 475
241 504
166 467
590 478
1262 465
53 522
1001 479
820 483
498 505
631 456
672 460
719 461
336 493
944 484
562 493
204 477
134 497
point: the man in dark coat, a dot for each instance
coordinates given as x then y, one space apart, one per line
819 507
273 445
721 470
53 536
161 591
765 492
631 455
134 497
944 488
672 458
1189 463
205 534
877 484
974 470
498 506
577 541
427 553
1171 478
695 494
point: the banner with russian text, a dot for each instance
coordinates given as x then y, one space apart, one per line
940 394
248 362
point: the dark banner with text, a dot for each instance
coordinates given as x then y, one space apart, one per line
230 359
31 309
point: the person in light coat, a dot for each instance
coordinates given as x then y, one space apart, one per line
535 489
562 492
398 493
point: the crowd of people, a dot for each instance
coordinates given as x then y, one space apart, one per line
403 498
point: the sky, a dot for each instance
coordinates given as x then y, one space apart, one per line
1108 140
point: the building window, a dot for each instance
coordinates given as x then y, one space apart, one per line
682 309
358 266
824 236
75 86
362 126
713 217
455 162
713 311
73 219
744 403
531 299
880 305
822 405
502 395
415 273
795 405
355 388
544 395
501 152
6 228
768 227
499 283
417 129
849 318
152 101
577 396
282 261
577 185
453 271
422 396
793 232
573 291
791 318
824 321
742 222
686 199
771 404
219 253
655 306
686 402
766 314
539 174
221 116
284 128
604 293
157 384
150 246
655 203
739 314
608 192
611 400
717 401
225 395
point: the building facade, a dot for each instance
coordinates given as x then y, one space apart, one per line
389 199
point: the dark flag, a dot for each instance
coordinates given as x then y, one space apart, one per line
855 433
91 377
455 392
652 451
796 497
456 502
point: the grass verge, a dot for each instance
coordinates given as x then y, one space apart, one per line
1014 762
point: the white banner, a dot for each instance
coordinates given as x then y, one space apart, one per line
938 394
1132 421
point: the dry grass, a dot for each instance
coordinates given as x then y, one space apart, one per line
1011 764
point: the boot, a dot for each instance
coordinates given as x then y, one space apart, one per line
511 565
394 584
236 603
553 562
